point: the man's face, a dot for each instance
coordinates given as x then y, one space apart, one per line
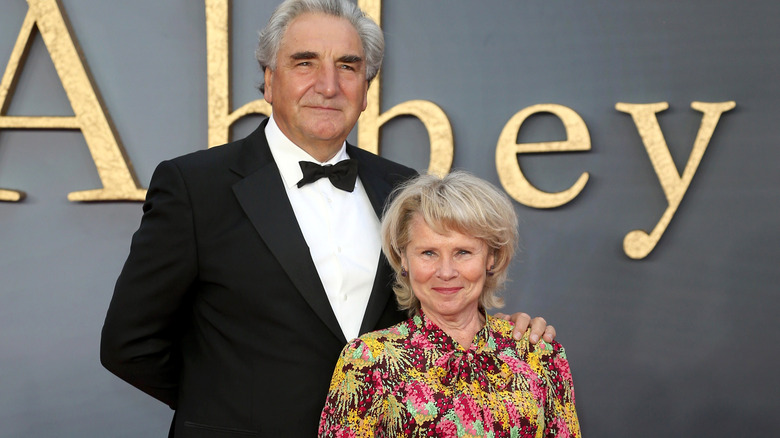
319 87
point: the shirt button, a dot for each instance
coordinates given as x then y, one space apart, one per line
344 297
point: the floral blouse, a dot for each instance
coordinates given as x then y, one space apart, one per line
413 380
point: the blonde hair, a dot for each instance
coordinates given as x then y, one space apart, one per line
458 202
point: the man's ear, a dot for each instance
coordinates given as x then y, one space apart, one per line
365 96
267 85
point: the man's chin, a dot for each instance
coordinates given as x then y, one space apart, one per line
327 131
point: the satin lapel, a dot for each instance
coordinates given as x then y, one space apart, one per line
264 200
377 190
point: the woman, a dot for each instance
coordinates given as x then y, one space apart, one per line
450 370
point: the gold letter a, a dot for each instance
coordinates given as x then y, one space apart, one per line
90 117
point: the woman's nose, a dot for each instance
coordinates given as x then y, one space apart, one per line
446 269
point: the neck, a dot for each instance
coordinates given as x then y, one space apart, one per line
322 152
461 327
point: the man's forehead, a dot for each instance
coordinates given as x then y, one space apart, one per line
314 32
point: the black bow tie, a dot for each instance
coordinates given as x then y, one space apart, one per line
342 174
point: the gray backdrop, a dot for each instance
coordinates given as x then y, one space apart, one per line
680 344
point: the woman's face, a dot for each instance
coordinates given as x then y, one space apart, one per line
446 271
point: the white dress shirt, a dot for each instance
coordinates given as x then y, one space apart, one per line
341 229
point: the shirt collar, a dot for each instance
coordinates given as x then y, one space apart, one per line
287 154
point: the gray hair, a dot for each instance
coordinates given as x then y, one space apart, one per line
458 202
271 36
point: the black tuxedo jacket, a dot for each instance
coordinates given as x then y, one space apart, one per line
219 311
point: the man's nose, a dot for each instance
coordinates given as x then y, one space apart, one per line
327 80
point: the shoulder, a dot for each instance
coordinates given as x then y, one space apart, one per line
500 326
372 347
242 156
502 334
206 159
206 175
542 350
380 165
194 173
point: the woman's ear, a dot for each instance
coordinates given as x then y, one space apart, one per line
491 261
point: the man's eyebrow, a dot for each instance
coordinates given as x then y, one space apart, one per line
307 54
351 59
304 55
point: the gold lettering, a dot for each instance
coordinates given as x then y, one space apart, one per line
218 70
11 195
507 166
638 244
431 115
219 102
90 117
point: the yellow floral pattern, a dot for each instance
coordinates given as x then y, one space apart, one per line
413 380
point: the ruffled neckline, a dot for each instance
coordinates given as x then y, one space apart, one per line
480 362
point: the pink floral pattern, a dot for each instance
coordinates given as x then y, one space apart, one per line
413 380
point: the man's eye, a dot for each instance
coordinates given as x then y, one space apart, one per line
347 67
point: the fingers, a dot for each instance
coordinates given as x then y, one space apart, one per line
538 329
538 325
549 333
521 320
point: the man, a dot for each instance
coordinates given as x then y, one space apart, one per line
248 274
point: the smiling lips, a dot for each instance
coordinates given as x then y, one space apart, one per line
447 290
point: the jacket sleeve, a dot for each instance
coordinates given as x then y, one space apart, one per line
147 313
